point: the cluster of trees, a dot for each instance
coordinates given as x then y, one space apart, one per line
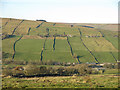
33 70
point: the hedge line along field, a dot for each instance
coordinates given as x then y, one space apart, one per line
34 35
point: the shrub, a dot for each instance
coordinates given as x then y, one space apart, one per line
17 73
60 70
83 69
43 70
7 72
70 71
31 70
107 65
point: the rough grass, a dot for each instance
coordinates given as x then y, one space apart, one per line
11 26
99 44
4 20
92 81
89 31
61 30
24 27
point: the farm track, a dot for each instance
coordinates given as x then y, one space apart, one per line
29 31
5 23
40 25
41 58
54 43
14 47
109 42
17 27
86 46
71 49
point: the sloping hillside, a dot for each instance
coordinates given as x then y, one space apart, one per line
46 41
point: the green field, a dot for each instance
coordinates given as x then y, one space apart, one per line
80 51
61 52
7 47
29 48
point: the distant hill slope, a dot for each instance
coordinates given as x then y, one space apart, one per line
111 27
59 42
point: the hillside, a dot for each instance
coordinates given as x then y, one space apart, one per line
60 42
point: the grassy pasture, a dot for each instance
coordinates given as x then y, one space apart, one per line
29 49
11 26
80 50
89 31
4 20
41 30
99 44
101 48
7 46
47 24
61 30
62 25
54 30
61 52
24 27
109 35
